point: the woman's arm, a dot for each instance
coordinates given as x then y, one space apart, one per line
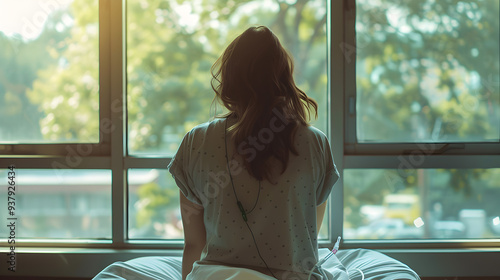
320 213
194 234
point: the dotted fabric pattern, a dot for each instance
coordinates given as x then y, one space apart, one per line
284 218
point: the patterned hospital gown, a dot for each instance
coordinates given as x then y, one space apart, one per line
284 218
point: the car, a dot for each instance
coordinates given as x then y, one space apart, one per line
448 229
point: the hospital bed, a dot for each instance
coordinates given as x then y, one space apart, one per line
344 265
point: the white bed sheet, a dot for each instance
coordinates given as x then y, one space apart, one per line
345 265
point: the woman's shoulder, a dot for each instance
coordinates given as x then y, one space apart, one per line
310 131
206 127
311 136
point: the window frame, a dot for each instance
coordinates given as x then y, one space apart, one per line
356 155
68 255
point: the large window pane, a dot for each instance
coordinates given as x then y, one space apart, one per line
59 203
421 203
171 46
427 71
49 80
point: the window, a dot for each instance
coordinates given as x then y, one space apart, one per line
422 123
408 93
170 49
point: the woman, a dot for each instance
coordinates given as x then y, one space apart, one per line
254 182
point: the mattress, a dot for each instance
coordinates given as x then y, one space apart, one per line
345 265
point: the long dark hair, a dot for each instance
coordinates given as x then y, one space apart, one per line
253 79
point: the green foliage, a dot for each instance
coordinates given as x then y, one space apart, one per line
20 61
425 71
154 203
66 91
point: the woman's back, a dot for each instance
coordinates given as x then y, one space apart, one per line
281 216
